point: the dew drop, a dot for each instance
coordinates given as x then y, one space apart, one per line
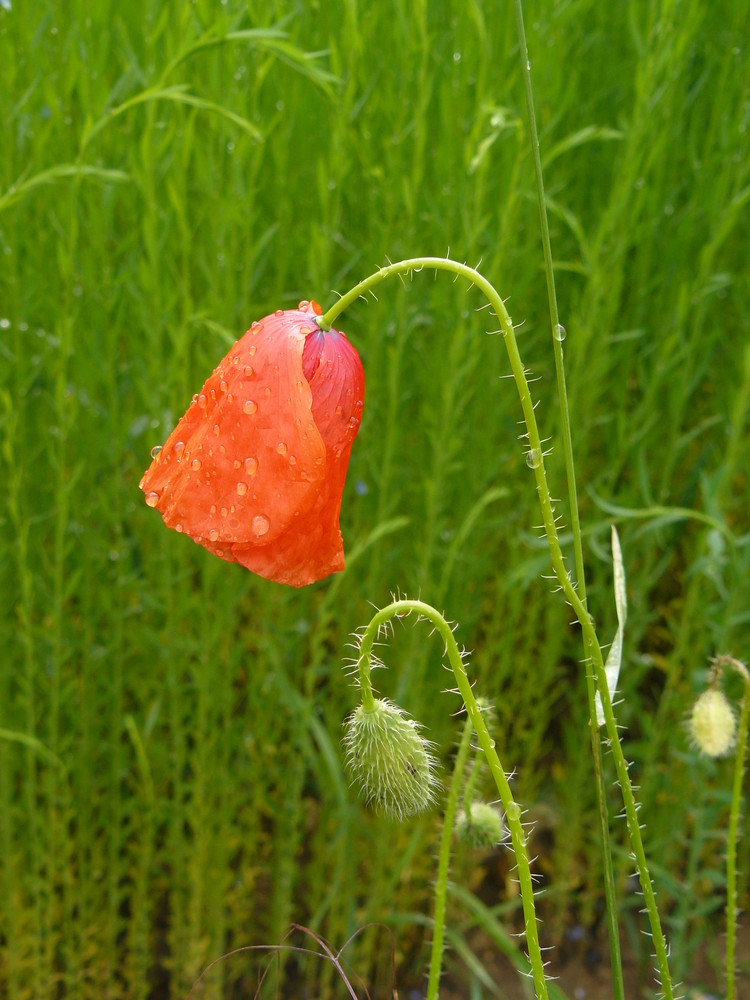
212 509
195 464
236 463
224 512
217 430
248 370
152 499
559 332
202 401
194 399
241 489
213 535
304 306
261 525
268 391
281 448
279 312
251 466
252 349
178 527
533 458
155 450
250 406
223 386
292 460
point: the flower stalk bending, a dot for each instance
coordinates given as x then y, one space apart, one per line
535 460
487 744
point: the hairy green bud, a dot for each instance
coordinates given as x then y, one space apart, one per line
389 760
483 827
712 724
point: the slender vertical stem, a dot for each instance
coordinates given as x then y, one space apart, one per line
441 882
487 744
558 335
734 823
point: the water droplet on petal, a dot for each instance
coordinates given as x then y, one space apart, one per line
223 386
178 527
217 430
252 349
152 499
202 401
533 458
250 406
155 450
178 448
241 489
224 512
559 332
251 466
194 399
304 306
292 460
248 370
281 448
195 464
212 509
213 535
279 312
261 525
236 463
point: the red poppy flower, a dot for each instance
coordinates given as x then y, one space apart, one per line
255 470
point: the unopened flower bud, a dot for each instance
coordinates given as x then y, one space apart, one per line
712 723
389 760
483 827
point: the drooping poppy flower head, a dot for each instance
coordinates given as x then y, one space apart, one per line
255 469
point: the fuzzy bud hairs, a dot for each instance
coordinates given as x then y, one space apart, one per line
389 760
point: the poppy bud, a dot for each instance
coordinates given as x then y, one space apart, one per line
255 469
389 760
483 827
712 723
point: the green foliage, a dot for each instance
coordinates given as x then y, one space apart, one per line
171 782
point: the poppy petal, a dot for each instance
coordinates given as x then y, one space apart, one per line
255 469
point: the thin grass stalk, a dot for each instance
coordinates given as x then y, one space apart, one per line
558 335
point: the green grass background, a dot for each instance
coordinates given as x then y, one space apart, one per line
171 780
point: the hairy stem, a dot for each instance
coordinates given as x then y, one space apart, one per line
734 822
535 460
487 744
441 882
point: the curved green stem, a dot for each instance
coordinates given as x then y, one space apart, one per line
444 858
512 810
535 460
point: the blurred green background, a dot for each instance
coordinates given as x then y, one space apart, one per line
171 780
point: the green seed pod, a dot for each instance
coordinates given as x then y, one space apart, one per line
712 724
389 761
483 827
